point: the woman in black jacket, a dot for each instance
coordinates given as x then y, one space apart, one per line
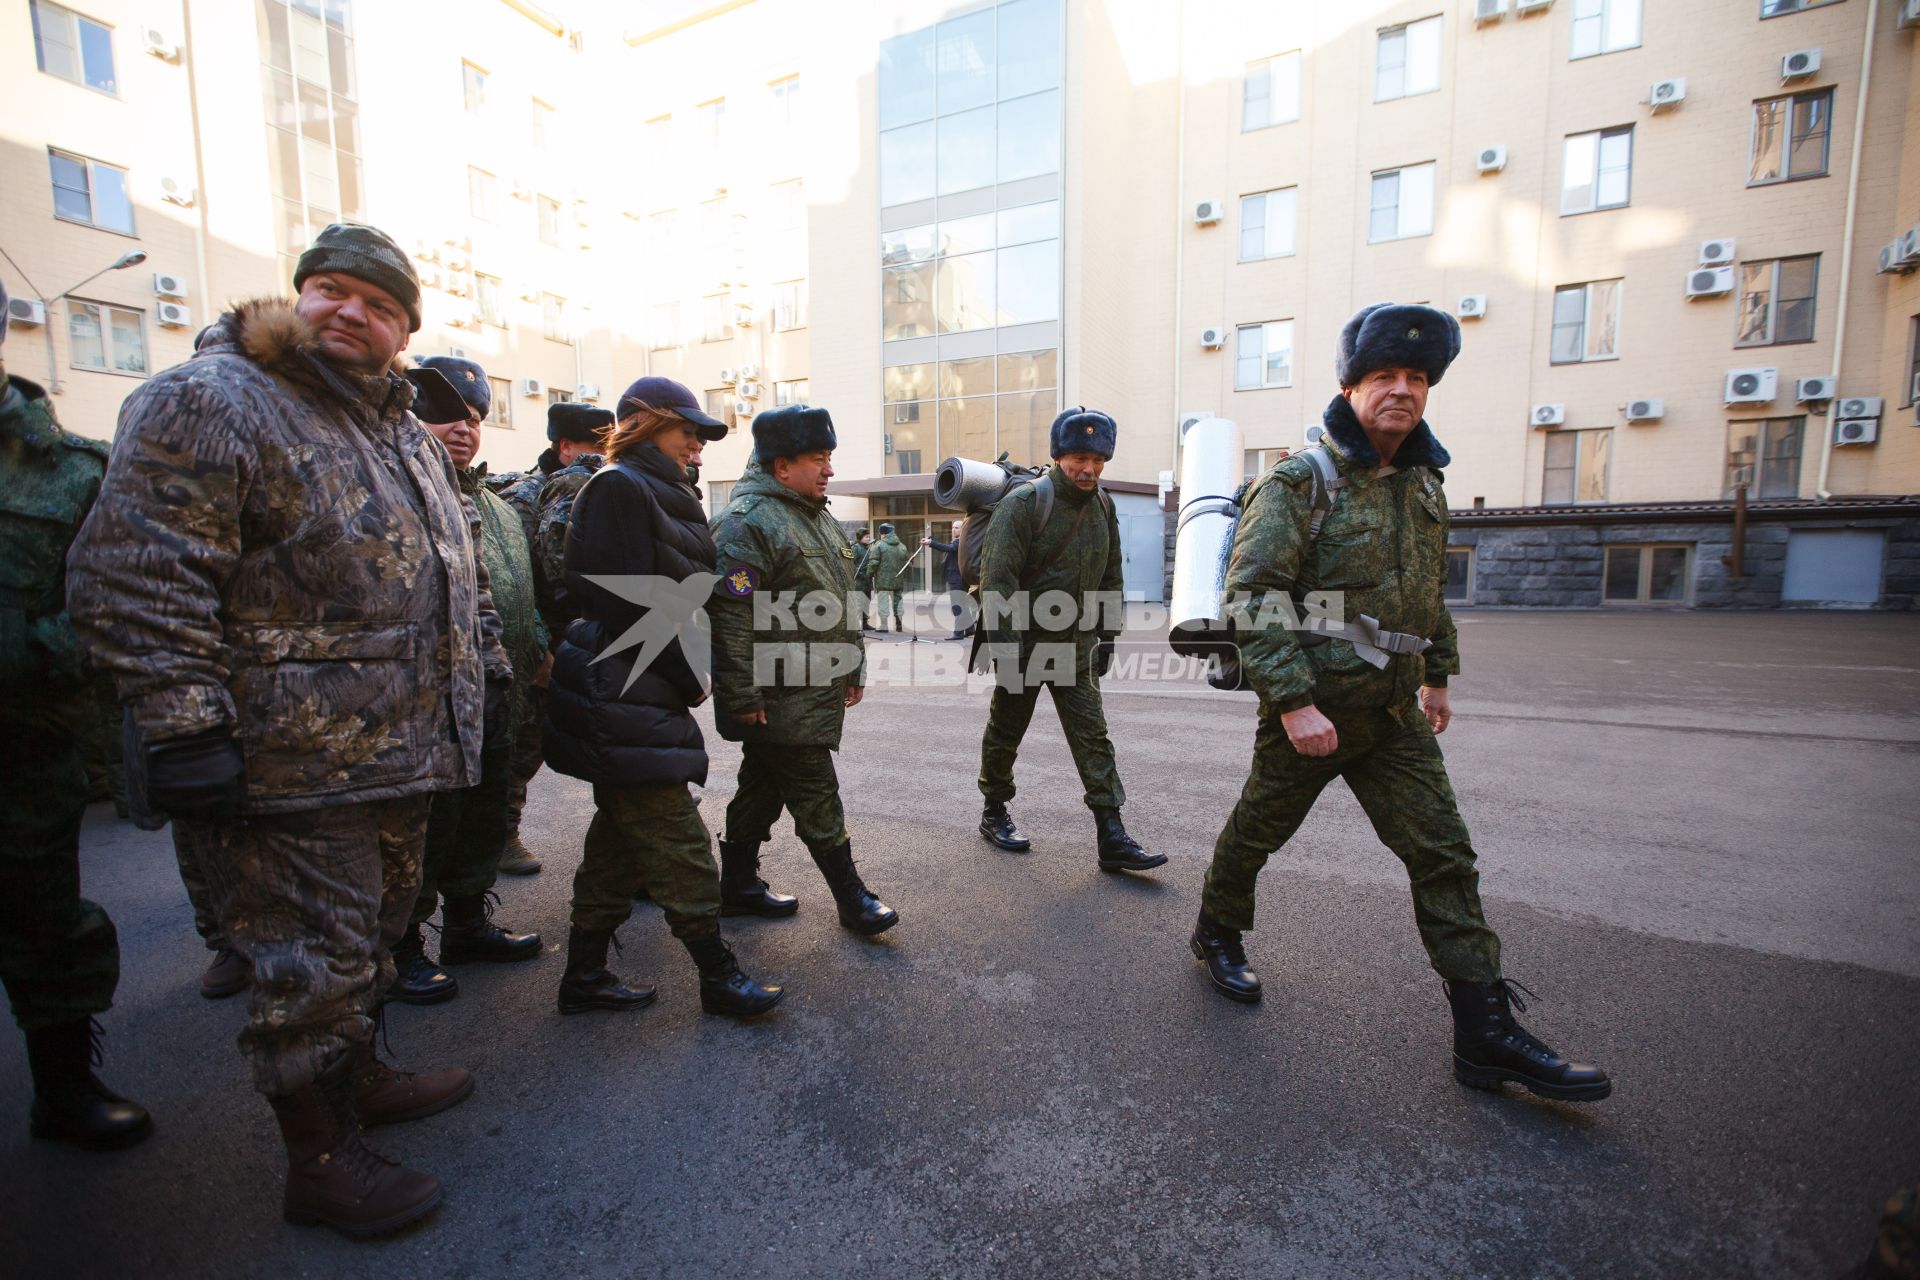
629 731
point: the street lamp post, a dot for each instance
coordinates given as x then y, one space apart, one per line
130 259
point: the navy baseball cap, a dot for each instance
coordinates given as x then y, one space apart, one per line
667 395
468 378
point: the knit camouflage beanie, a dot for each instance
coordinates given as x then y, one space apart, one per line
365 253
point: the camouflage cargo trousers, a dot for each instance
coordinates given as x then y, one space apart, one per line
466 831
59 953
193 874
800 780
651 836
526 755
315 901
1396 772
1084 718
885 602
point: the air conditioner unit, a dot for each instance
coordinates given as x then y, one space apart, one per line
1646 410
1859 407
1491 159
1856 431
463 243
1489 10
1799 63
522 189
429 276
167 286
1913 394
1667 93
1531 6
1316 433
1708 282
175 315
1473 306
530 294
1752 386
587 391
1909 243
1213 339
458 353
426 251
748 390
1548 415
729 377
532 387
157 43
1891 263
26 311
1808 390
582 215
178 191
748 372
1909 14
1717 253
456 262
1207 212
744 409
459 286
460 321
743 316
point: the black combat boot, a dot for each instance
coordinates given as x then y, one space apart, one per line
416 979
1117 849
860 910
742 891
1490 1047
996 824
228 974
588 984
1219 948
334 1178
723 988
69 1102
470 934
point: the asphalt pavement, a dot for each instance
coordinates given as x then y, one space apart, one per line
1698 836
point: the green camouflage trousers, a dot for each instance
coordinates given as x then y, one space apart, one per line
526 755
59 954
315 901
651 836
1394 767
466 831
800 780
1084 718
193 874
885 602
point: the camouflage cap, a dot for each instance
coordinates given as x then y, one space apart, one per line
365 253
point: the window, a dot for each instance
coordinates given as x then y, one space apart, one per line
1598 171
1402 204
1775 8
106 339
656 144
1764 455
786 248
480 194
1576 469
1586 322
309 92
710 120
1790 137
1646 575
1776 301
1459 575
541 126
792 391
790 305
474 85
1270 93
553 318
1604 26
1263 355
72 47
784 101
490 297
716 402
716 317
719 492
665 330
1267 223
1406 60
500 412
1913 361
549 219
1256 461
90 193
556 396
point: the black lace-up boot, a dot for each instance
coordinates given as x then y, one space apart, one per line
470 933
1118 851
417 979
860 910
1218 948
742 891
588 984
69 1102
1490 1047
996 824
723 988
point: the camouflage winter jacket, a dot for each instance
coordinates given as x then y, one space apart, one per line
1077 552
509 562
282 550
48 482
557 493
1383 546
886 563
773 542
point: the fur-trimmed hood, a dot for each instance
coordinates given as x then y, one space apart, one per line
272 334
1421 448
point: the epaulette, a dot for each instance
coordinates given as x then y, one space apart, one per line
1295 470
82 444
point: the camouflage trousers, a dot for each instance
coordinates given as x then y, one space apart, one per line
800 780
1394 767
466 830
650 836
1896 1246
315 901
885 601
1084 718
193 874
59 953
526 755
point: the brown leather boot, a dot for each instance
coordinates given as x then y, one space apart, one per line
334 1178
384 1095
518 860
229 974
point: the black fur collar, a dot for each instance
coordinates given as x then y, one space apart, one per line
1421 449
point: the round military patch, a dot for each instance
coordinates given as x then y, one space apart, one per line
740 580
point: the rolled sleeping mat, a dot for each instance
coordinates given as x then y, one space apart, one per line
1211 472
962 484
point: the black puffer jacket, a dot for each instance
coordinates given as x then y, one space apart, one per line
636 517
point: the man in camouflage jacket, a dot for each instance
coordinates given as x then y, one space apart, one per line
1075 552
1342 702
885 567
281 575
780 689
59 954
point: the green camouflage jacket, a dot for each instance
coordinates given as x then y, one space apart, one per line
281 549
555 508
48 482
772 541
1384 547
886 563
509 561
862 555
1015 559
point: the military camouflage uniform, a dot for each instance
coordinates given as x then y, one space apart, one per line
550 534
885 566
772 540
1896 1245
1384 547
1077 552
193 874
281 551
59 955
521 491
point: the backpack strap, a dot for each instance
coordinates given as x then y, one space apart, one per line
1327 483
1042 501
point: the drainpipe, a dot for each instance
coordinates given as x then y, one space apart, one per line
1180 216
199 163
1846 245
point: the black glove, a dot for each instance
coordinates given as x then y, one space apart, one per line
493 716
1102 657
201 778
